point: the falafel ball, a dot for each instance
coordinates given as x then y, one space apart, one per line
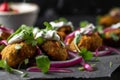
90 42
107 21
16 53
108 40
64 31
54 50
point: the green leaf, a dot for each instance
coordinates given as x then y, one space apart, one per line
61 19
2 64
48 26
43 63
87 55
114 36
83 23
99 29
40 40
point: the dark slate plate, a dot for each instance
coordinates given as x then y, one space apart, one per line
103 69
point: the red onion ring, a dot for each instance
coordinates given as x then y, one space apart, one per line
5 29
3 42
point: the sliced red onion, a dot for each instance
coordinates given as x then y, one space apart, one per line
3 42
88 67
67 63
108 29
73 54
101 53
114 50
63 70
71 35
5 29
39 52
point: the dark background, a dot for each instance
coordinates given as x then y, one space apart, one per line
74 7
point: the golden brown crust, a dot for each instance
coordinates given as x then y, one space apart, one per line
90 42
14 56
109 41
108 20
64 31
55 50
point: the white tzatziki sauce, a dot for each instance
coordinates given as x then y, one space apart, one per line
115 26
51 34
87 29
35 31
17 38
57 25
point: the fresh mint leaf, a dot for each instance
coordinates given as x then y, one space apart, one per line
87 55
43 63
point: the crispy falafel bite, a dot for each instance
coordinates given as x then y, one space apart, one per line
16 53
112 17
84 38
112 35
52 45
63 26
20 46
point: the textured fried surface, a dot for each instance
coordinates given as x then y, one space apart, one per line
107 21
14 56
55 50
64 30
90 42
109 41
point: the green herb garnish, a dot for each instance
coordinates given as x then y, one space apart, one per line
43 63
110 64
87 55
4 65
83 23
114 36
48 26
61 20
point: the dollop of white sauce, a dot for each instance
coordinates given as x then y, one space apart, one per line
51 34
115 26
57 25
35 31
87 29
16 38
